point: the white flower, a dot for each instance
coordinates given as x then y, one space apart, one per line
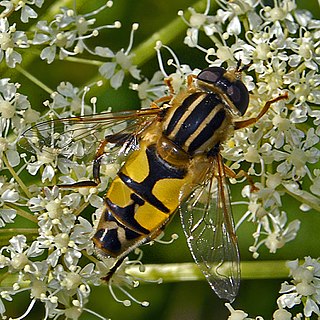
315 188
11 101
304 288
239 314
149 91
282 314
122 63
25 6
11 39
8 194
67 33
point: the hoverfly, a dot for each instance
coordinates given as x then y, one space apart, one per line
173 162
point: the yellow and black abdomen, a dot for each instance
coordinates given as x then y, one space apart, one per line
139 202
173 157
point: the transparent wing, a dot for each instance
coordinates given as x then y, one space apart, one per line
208 225
79 136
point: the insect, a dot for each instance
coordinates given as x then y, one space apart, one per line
172 162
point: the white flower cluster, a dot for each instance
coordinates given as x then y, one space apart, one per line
54 260
64 36
304 289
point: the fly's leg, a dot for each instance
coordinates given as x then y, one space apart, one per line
80 184
162 100
168 98
97 161
118 139
190 80
231 174
245 123
168 83
157 103
96 170
146 239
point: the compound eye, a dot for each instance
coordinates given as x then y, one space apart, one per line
224 82
211 74
239 95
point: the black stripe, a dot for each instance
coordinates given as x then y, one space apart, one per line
130 234
108 237
109 240
178 113
158 169
145 191
126 214
208 131
199 114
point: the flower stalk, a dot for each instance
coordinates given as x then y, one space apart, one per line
180 272
145 51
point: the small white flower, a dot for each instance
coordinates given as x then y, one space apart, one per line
304 288
315 188
67 33
11 39
239 314
27 11
149 91
11 101
8 194
282 314
122 62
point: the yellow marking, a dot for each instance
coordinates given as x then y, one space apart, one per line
185 115
168 191
137 166
149 217
204 124
119 193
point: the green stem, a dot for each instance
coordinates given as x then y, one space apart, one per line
79 211
33 79
304 197
166 35
16 177
22 213
16 231
90 257
145 51
178 272
190 272
85 61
